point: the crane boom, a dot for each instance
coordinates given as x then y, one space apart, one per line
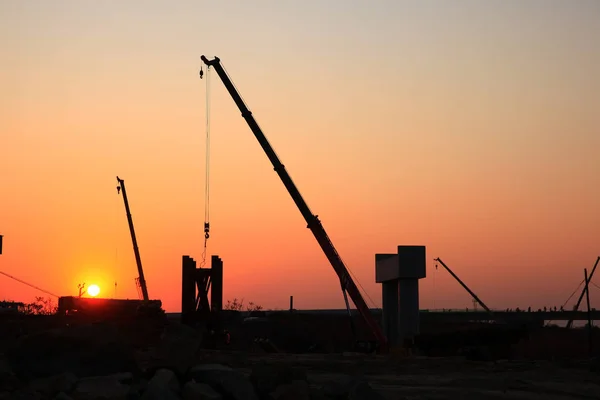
583 291
313 222
464 285
136 250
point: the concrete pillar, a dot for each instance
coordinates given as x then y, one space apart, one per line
216 288
399 275
409 308
188 289
390 312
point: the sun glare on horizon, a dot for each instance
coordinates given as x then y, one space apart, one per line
93 290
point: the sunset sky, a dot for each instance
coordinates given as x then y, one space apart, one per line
471 127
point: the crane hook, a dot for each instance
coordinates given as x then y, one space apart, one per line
201 72
206 230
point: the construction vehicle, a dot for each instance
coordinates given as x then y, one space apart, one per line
108 308
140 281
313 222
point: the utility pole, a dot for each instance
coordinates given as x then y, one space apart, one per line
1 243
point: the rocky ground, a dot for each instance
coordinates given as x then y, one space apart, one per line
96 362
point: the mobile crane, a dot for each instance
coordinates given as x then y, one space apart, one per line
141 281
313 222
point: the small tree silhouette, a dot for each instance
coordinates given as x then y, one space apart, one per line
253 307
40 306
238 305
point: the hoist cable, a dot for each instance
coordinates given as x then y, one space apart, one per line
574 292
373 304
206 172
571 296
207 155
28 284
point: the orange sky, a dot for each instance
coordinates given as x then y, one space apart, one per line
471 129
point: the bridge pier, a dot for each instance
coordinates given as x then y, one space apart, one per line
399 275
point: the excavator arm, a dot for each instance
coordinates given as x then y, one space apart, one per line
312 221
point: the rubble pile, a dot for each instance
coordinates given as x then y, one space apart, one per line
201 382
89 363
103 362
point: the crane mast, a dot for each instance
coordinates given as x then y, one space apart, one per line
136 250
313 222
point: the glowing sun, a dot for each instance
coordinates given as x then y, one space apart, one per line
93 290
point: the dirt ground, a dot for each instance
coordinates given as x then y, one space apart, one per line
439 378
36 348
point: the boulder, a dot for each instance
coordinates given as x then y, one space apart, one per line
163 385
199 391
111 387
229 382
266 378
296 390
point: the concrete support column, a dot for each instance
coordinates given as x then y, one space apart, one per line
390 311
399 275
188 289
216 286
409 309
